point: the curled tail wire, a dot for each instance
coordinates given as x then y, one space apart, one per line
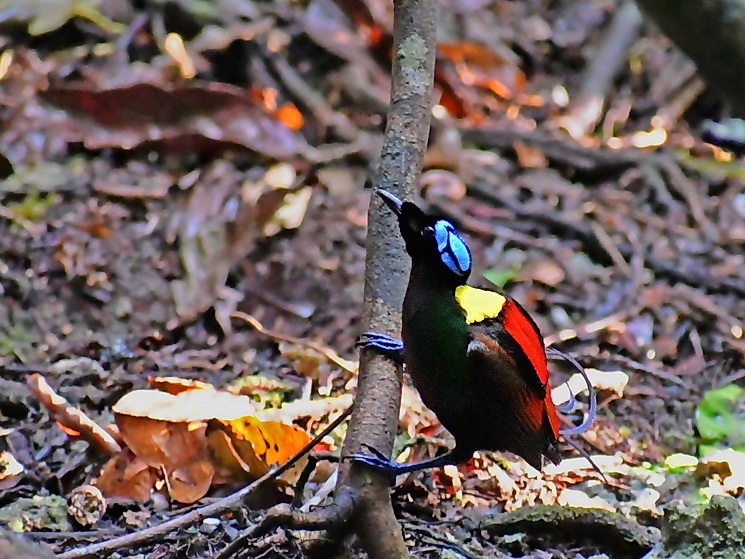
589 418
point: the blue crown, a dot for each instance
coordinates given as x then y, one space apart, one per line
453 250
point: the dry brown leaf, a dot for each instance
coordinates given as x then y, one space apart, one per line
170 433
190 482
71 419
478 65
191 116
177 448
229 464
126 477
235 458
177 385
218 226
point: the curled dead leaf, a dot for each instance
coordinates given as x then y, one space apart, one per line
189 406
614 381
203 436
125 476
177 385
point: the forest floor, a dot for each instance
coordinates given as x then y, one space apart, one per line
185 193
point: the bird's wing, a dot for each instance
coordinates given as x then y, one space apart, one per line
506 327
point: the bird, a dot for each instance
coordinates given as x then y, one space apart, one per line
475 356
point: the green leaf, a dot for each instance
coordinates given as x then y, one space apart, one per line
720 417
500 277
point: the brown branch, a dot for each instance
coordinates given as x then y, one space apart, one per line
327 518
610 529
375 419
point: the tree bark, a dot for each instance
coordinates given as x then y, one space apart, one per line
712 34
375 418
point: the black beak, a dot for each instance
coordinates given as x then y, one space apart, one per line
391 201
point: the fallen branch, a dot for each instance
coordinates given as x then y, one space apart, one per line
611 530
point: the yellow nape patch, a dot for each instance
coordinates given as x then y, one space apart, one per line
478 303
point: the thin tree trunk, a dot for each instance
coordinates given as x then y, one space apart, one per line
375 418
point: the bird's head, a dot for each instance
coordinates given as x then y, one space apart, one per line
431 240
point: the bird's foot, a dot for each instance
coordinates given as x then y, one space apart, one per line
378 461
387 346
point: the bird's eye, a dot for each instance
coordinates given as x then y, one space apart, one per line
452 248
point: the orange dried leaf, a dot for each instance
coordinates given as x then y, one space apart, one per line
126 476
191 481
290 116
176 385
177 448
479 65
272 441
235 460
163 443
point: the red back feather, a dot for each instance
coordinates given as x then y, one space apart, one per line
522 328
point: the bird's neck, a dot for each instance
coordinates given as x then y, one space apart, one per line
430 293
424 278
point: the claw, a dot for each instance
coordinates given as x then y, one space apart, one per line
384 345
378 461
382 463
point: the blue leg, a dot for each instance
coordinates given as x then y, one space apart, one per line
382 463
391 348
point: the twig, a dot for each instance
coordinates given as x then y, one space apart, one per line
611 248
426 534
586 107
225 504
326 351
690 193
329 517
